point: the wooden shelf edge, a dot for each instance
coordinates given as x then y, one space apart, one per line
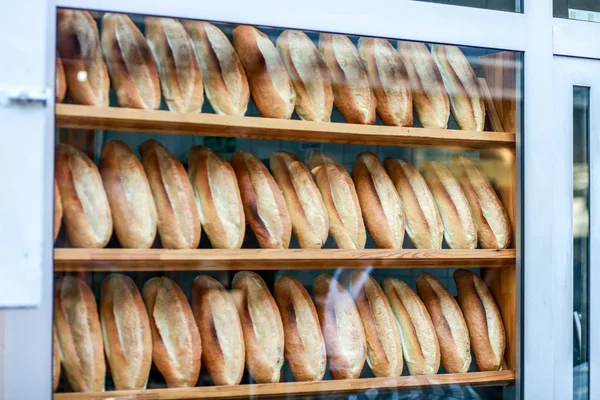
159 121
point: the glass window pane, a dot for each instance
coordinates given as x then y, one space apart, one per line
498 5
583 10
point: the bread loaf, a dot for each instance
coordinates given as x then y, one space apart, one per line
462 85
449 323
430 100
419 342
220 330
79 47
493 225
178 220
126 332
129 195
175 339
262 326
133 70
384 348
304 202
389 81
270 85
309 74
85 207
483 318
180 75
57 211
55 361
352 91
379 202
423 222
61 82
342 328
263 201
224 78
304 345
78 334
346 224
459 227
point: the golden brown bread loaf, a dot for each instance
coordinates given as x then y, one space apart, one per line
342 328
55 361
430 100
86 211
220 329
304 345
352 91
389 81
263 201
462 85
449 323
309 75
224 78
379 202
57 211
180 75
419 342
304 202
459 227
270 85
133 70
126 332
486 330
384 347
79 47
423 222
176 346
346 224
262 326
129 195
78 334
493 225
61 82
178 220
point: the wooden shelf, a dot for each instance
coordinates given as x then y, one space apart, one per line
127 119
263 259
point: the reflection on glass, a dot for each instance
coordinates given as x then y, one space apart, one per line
583 10
498 5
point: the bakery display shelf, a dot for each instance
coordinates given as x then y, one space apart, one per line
69 259
127 119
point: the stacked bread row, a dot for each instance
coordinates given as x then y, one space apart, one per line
185 59
226 332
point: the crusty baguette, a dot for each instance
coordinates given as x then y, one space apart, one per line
304 344
486 330
459 227
178 221
220 329
379 202
129 195
493 225
61 82
352 91
55 360
342 328
430 100
309 74
310 222
79 47
264 205
262 326
224 77
270 84
462 85
133 70
423 222
420 344
178 68
346 224
176 345
126 332
389 81
384 347
58 213
449 323
79 336
86 211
